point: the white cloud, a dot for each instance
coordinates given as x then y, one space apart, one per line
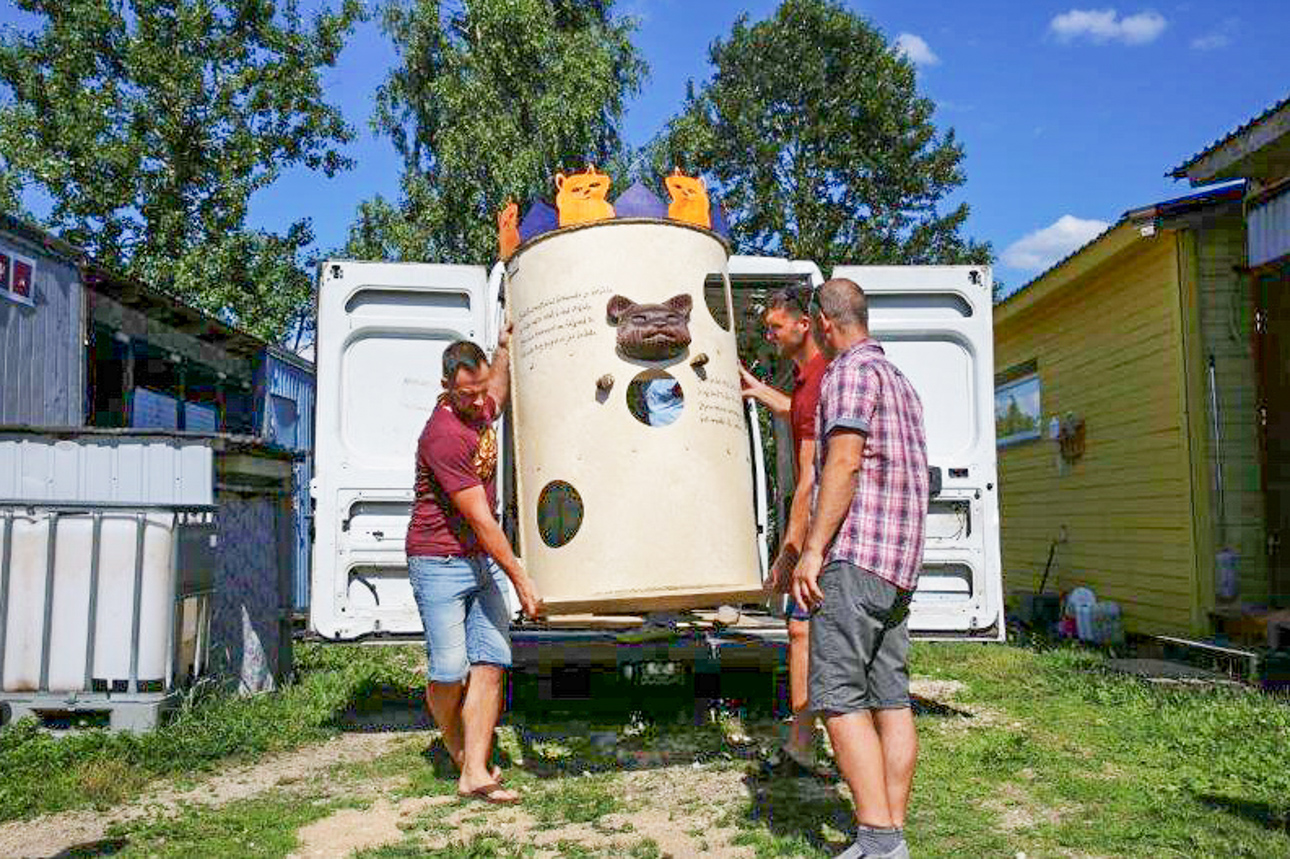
1038 250
1212 42
914 49
1105 25
1218 39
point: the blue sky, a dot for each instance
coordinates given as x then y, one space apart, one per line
1069 113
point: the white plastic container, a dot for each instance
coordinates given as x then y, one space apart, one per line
1108 628
69 610
1079 605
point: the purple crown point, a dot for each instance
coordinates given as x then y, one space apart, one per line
540 218
719 224
639 202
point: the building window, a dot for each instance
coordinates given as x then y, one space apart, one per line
283 422
1018 412
17 277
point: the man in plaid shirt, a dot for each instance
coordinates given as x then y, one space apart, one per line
860 564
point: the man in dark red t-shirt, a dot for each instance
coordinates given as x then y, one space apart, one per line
457 558
788 327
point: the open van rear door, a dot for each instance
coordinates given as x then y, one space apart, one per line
935 324
382 329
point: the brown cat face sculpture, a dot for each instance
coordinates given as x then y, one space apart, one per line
651 332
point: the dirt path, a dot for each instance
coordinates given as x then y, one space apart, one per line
55 833
667 796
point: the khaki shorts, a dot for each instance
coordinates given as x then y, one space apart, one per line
859 643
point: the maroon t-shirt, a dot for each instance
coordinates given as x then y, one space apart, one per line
805 397
452 455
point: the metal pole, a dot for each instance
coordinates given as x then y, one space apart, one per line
200 635
1216 428
4 588
47 631
138 604
176 615
91 627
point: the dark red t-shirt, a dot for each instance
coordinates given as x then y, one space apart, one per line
806 396
452 455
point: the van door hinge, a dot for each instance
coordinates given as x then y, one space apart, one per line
1260 321
1263 416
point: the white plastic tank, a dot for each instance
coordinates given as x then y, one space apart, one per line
69 612
1079 605
632 450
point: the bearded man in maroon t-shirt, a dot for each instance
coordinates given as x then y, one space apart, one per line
457 557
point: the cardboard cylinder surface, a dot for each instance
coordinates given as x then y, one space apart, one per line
634 473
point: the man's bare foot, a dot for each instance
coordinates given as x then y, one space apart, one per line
494 772
490 790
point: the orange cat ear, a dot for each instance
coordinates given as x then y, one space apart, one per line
559 180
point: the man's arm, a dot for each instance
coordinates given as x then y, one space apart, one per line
473 504
777 401
837 486
799 513
499 377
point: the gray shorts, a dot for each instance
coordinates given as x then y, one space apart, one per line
859 643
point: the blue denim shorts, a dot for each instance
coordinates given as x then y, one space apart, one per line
463 609
793 611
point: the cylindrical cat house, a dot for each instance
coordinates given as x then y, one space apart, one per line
632 451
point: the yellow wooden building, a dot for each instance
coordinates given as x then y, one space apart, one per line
1112 458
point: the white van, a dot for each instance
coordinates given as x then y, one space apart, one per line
382 328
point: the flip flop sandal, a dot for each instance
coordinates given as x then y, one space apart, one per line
488 793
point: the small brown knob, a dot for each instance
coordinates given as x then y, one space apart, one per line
699 360
605 382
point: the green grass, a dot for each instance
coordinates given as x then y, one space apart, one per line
1039 751
44 773
1064 757
264 826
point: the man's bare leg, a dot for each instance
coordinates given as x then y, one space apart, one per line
801 733
858 752
899 741
479 715
444 701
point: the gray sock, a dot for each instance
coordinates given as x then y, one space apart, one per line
878 841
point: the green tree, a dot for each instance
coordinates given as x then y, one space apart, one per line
151 123
820 145
489 100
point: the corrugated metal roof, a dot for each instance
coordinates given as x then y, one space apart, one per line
1268 229
1180 172
108 281
106 469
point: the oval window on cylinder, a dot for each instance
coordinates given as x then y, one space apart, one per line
559 513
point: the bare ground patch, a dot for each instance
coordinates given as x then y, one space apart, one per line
677 808
54 833
1018 810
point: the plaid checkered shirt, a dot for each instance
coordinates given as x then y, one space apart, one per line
883 529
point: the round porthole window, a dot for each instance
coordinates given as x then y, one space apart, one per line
655 398
559 513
